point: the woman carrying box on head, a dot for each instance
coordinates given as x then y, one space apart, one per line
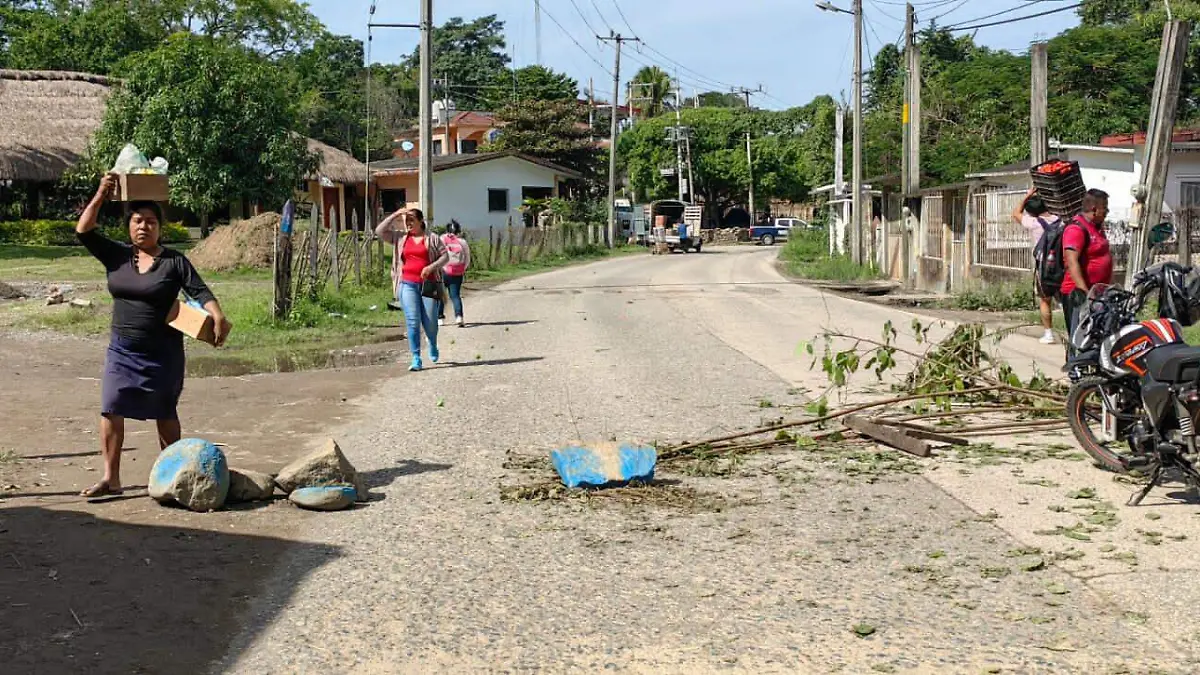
144 365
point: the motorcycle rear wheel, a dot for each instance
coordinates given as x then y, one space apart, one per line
1085 409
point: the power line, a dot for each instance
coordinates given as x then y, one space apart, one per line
582 16
622 13
602 18
1018 18
1010 10
572 38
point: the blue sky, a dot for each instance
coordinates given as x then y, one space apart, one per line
794 50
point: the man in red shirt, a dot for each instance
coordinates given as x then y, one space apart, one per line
1087 255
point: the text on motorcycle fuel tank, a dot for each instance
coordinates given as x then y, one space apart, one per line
1125 353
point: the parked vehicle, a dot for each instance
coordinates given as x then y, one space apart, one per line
768 233
1134 401
682 222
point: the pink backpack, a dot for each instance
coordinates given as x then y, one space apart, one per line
457 249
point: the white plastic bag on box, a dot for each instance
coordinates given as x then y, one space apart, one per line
131 160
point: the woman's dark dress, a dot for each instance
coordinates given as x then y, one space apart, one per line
144 367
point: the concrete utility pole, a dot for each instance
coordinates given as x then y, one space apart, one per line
425 163
911 180
537 29
837 235
749 157
592 110
857 230
750 169
445 83
425 25
618 39
1039 103
856 172
679 141
1158 139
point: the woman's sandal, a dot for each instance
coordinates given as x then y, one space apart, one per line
101 489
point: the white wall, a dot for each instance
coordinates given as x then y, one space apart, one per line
462 193
1113 172
1184 166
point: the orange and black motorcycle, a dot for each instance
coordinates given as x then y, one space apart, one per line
1134 401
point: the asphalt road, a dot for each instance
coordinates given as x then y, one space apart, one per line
770 568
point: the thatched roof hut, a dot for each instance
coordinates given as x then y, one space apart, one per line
337 166
46 121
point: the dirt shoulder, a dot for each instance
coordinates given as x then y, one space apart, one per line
129 586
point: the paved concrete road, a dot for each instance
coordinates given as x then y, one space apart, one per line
772 567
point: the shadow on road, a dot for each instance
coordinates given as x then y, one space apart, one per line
84 594
409 467
472 324
499 362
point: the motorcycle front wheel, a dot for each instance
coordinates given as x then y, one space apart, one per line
1085 414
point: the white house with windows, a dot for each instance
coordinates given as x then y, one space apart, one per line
478 190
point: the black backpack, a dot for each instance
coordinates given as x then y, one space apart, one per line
1049 264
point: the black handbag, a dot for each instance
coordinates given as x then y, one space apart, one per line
432 289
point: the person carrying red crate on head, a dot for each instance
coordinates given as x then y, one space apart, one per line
1037 220
1086 254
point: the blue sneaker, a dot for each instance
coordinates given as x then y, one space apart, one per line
416 364
434 355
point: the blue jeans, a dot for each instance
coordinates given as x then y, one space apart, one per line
454 285
419 312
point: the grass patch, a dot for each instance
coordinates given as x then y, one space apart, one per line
806 255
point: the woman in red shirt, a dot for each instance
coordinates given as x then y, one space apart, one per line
1087 255
416 257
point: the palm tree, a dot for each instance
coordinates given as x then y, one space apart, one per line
651 86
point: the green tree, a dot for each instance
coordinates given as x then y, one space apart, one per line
329 82
272 27
531 83
92 38
221 116
467 53
715 99
552 130
652 86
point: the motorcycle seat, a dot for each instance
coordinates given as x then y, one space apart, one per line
1173 363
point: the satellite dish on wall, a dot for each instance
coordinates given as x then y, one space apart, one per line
493 135
407 146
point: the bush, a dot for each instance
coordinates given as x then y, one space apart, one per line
1002 298
62 233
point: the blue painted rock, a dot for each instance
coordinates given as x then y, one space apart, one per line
328 498
324 467
603 464
250 486
191 472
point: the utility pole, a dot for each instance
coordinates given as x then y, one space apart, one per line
612 134
911 180
856 172
537 29
750 169
749 156
687 142
445 84
1159 135
425 163
1038 105
592 110
837 236
368 220
679 141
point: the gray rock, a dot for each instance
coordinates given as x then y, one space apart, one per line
328 498
324 467
250 486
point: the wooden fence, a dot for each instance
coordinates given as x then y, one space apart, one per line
511 245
